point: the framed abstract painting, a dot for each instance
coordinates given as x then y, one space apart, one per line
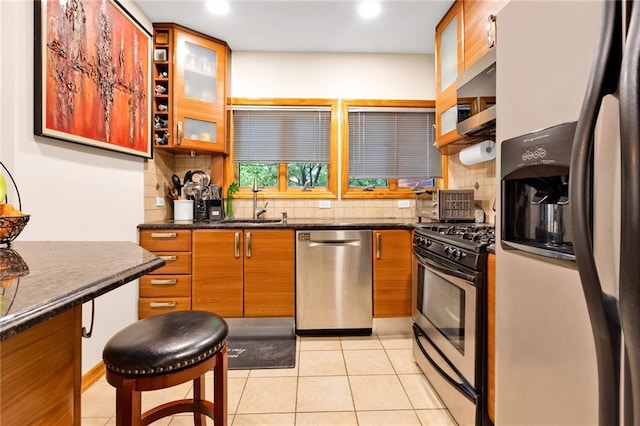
92 75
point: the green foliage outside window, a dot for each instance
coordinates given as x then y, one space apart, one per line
309 175
298 175
363 183
267 174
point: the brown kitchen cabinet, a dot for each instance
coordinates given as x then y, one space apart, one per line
491 332
391 273
168 288
479 28
190 90
244 273
449 63
464 34
218 271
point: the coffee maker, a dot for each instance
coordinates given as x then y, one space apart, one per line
536 217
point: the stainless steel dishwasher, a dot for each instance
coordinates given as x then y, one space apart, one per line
334 282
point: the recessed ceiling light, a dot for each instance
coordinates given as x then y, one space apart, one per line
218 7
369 9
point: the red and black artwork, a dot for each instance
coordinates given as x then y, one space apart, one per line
93 75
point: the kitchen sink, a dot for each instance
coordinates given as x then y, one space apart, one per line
251 221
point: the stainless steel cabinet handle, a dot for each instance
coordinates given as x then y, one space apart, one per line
171 258
162 304
163 282
378 238
179 132
163 235
237 244
491 31
248 245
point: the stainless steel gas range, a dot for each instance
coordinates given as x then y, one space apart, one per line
449 314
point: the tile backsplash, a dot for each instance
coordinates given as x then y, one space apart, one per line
481 177
158 171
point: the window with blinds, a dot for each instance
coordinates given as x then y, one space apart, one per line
392 143
281 134
284 146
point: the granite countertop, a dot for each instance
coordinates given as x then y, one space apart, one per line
44 279
353 223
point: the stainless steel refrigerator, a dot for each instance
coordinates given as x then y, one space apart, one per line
561 356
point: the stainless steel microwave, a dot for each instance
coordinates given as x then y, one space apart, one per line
476 93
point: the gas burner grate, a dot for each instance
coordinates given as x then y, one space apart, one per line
481 234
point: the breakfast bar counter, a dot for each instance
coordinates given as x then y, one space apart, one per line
44 285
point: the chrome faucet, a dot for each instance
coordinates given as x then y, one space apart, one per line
257 211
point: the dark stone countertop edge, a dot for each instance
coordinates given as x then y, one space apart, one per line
291 224
53 307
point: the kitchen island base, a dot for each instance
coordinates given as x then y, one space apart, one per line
41 373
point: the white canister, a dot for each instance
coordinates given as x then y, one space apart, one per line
182 209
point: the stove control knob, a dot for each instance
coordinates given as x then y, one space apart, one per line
420 241
448 250
457 254
427 243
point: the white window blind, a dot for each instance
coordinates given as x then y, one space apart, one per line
281 134
385 143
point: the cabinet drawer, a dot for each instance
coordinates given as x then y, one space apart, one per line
176 263
165 285
151 306
166 240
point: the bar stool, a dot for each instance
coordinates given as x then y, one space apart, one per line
164 351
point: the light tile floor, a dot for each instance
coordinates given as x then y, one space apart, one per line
337 381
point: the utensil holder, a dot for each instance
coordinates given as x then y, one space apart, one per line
182 209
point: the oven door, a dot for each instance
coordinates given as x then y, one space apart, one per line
444 309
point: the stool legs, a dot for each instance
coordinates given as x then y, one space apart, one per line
220 388
129 394
128 404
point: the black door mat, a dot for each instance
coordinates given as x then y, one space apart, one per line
250 353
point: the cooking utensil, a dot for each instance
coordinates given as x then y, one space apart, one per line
201 177
187 176
177 184
173 193
193 189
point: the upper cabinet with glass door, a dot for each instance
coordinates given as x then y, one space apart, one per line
196 91
449 63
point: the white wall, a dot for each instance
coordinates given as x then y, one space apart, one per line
332 75
71 191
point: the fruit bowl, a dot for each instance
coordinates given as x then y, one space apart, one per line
11 227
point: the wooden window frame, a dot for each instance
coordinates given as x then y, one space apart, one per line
283 191
392 191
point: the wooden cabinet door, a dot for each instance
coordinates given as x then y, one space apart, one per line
476 20
199 92
269 273
449 64
449 48
392 273
217 275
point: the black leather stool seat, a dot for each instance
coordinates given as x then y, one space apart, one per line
165 343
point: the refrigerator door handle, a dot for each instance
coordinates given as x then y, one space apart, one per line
629 287
603 80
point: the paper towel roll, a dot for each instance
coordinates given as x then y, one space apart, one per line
483 151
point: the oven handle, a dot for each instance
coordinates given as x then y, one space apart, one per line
448 271
464 386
